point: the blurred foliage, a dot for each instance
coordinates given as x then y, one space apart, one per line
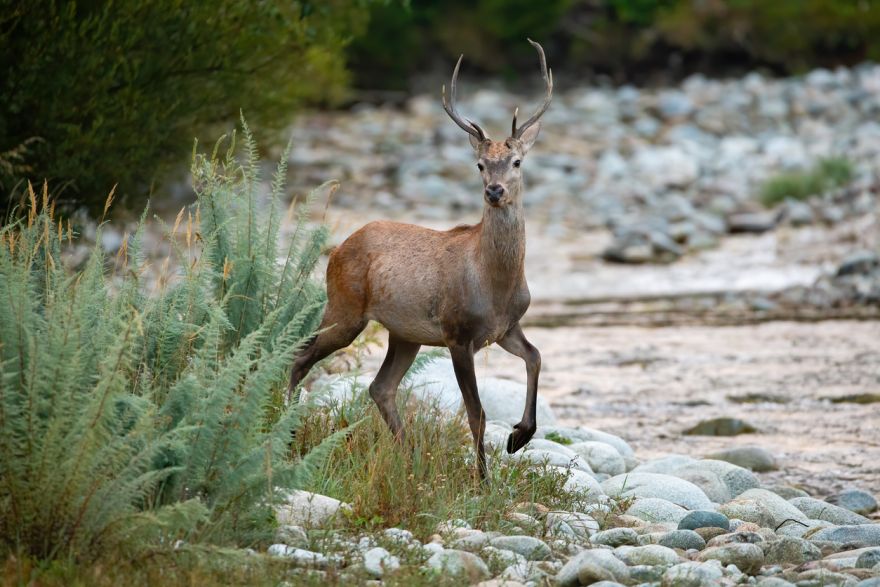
631 40
96 92
827 174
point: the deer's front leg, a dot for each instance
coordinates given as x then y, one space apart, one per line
515 342
463 363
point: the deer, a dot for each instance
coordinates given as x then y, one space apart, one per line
463 289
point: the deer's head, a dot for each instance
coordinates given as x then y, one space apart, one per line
500 162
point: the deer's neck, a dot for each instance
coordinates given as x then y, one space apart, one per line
503 242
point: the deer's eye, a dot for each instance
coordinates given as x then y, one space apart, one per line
517 163
480 167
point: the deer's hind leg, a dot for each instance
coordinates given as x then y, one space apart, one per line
339 329
383 389
516 343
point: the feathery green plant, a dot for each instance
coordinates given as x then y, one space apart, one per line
137 419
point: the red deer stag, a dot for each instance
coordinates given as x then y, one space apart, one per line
464 288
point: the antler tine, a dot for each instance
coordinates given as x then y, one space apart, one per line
466 125
513 126
547 74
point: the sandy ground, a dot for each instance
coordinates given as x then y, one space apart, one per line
648 383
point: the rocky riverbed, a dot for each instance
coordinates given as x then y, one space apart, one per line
667 521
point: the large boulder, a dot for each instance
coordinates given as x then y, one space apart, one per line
602 457
762 507
673 489
719 480
303 508
822 510
865 534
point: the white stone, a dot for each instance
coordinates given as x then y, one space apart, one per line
303 508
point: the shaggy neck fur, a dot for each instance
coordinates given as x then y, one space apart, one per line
503 237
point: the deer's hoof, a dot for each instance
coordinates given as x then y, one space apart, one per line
518 439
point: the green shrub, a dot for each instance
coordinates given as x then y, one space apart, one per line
130 420
800 185
114 90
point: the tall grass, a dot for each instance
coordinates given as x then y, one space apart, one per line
130 422
799 185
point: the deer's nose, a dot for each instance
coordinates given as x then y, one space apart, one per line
494 192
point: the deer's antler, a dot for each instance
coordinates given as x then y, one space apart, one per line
547 74
470 127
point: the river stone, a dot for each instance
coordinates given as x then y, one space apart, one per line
824 578
500 583
872 582
468 539
822 510
855 500
866 534
693 574
552 446
753 458
719 480
529 547
292 536
762 507
720 427
709 533
786 491
529 572
459 563
678 491
602 457
868 559
748 558
539 456
651 555
591 566
787 550
501 557
302 508
578 481
704 519
581 525
584 434
683 539
800 530
616 537
664 465
378 561
299 556
641 574
774 582
654 509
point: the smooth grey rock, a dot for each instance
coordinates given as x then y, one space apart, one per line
753 458
751 222
299 556
872 582
859 262
459 563
616 537
664 465
650 555
501 557
855 500
774 582
786 491
581 482
791 551
868 559
529 572
683 539
704 519
720 427
799 530
719 480
602 457
654 509
640 574
292 536
303 508
584 434
469 540
693 574
582 525
762 507
591 566
822 510
867 534
673 489
540 456
748 558
529 547
378 561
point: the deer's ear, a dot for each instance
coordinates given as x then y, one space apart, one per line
529 137
475 143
